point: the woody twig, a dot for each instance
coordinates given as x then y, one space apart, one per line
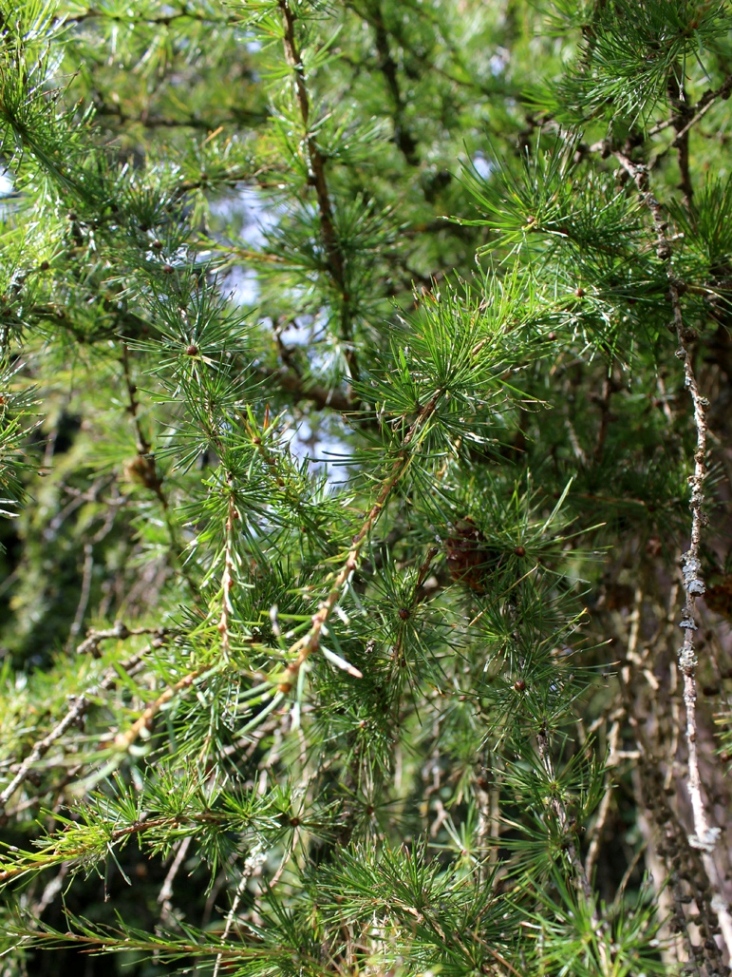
705 836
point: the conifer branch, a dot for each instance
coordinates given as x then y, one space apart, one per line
679 100
143 469
85 591
310 642
607 796
382 803
254 861
148 120
464 78
166 890
145 463
72 845
135 19
323 398
119 632
402 136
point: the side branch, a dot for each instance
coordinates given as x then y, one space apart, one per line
74 716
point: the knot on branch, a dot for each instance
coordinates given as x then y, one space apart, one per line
690 568
687 659
707 842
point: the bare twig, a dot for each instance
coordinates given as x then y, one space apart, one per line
120 631
254 861
50 891
42 746
166 892
698 111
605 803
579 451
705 837
86 579
405 612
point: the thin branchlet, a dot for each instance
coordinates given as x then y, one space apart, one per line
228 578
336 265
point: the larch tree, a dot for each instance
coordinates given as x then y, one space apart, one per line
365 392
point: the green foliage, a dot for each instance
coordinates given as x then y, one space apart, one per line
345 440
